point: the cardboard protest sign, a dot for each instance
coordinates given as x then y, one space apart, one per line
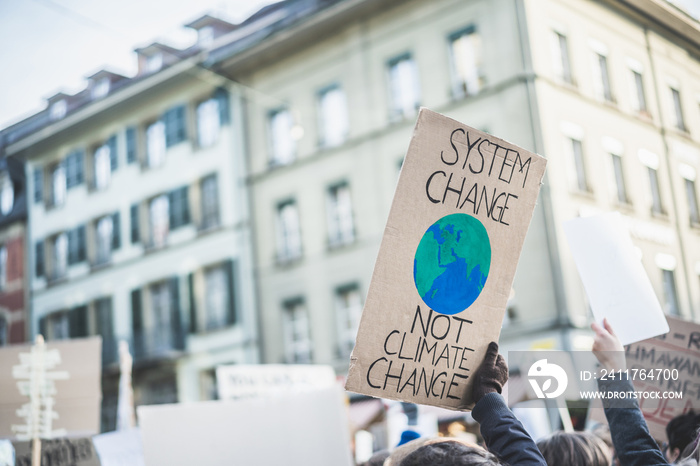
614 278
677 350
77 399
441 282
59 452
250 381
298 429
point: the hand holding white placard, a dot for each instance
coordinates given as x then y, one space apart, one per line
615 280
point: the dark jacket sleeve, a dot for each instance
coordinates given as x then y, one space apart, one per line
633 443
503 433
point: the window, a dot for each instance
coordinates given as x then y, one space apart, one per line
678 120
100 88
7 193
618 173
175 125
104 233
576 150
297 335
39 259
208 123
38 184
58 110
101 164
160 317
656 204
282 144
602 78
74 168
217 297
57 326
341 229
210 202
159 210
637 94
333 116
155 144
3 267
179 208
76 245
288 232
561 62
348 305
60 256
692 197
670 294
465 48
154 62
58 185
131 148
404 87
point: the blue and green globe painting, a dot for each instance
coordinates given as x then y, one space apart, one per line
452 263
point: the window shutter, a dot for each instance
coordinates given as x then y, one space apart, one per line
231 272
221 95
131 144
39 259
38 184
136 314
175 125
113 155
104 319
77 320
80 234
116 235
135 232
193 304
184 199
175 315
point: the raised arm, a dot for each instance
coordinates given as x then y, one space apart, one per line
503 433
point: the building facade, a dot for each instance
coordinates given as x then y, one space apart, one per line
607 91
139 224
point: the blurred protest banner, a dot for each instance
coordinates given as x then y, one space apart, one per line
667 363
120 448
59 452
298 429
614 278
250 381
77 399
444 272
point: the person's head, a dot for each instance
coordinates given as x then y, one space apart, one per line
377 459
574 449
681 431
442 451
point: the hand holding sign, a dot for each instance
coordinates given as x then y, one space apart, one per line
607 347
492 375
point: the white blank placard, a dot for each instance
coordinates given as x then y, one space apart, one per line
300 429
615 280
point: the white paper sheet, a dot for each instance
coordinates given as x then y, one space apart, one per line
615 280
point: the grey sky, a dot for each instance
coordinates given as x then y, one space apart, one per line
47 46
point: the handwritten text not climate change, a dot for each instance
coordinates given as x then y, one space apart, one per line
437 342
482 157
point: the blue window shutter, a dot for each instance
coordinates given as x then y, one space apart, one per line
193 304
113 155
38 184
39 259
231 272
175 125
131 154
135 231
116 228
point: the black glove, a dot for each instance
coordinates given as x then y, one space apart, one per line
491 375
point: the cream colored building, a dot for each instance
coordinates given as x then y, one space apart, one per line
331 101
139 224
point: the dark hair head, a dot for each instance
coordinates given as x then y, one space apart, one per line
377 459
574 449
681 430
450 453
